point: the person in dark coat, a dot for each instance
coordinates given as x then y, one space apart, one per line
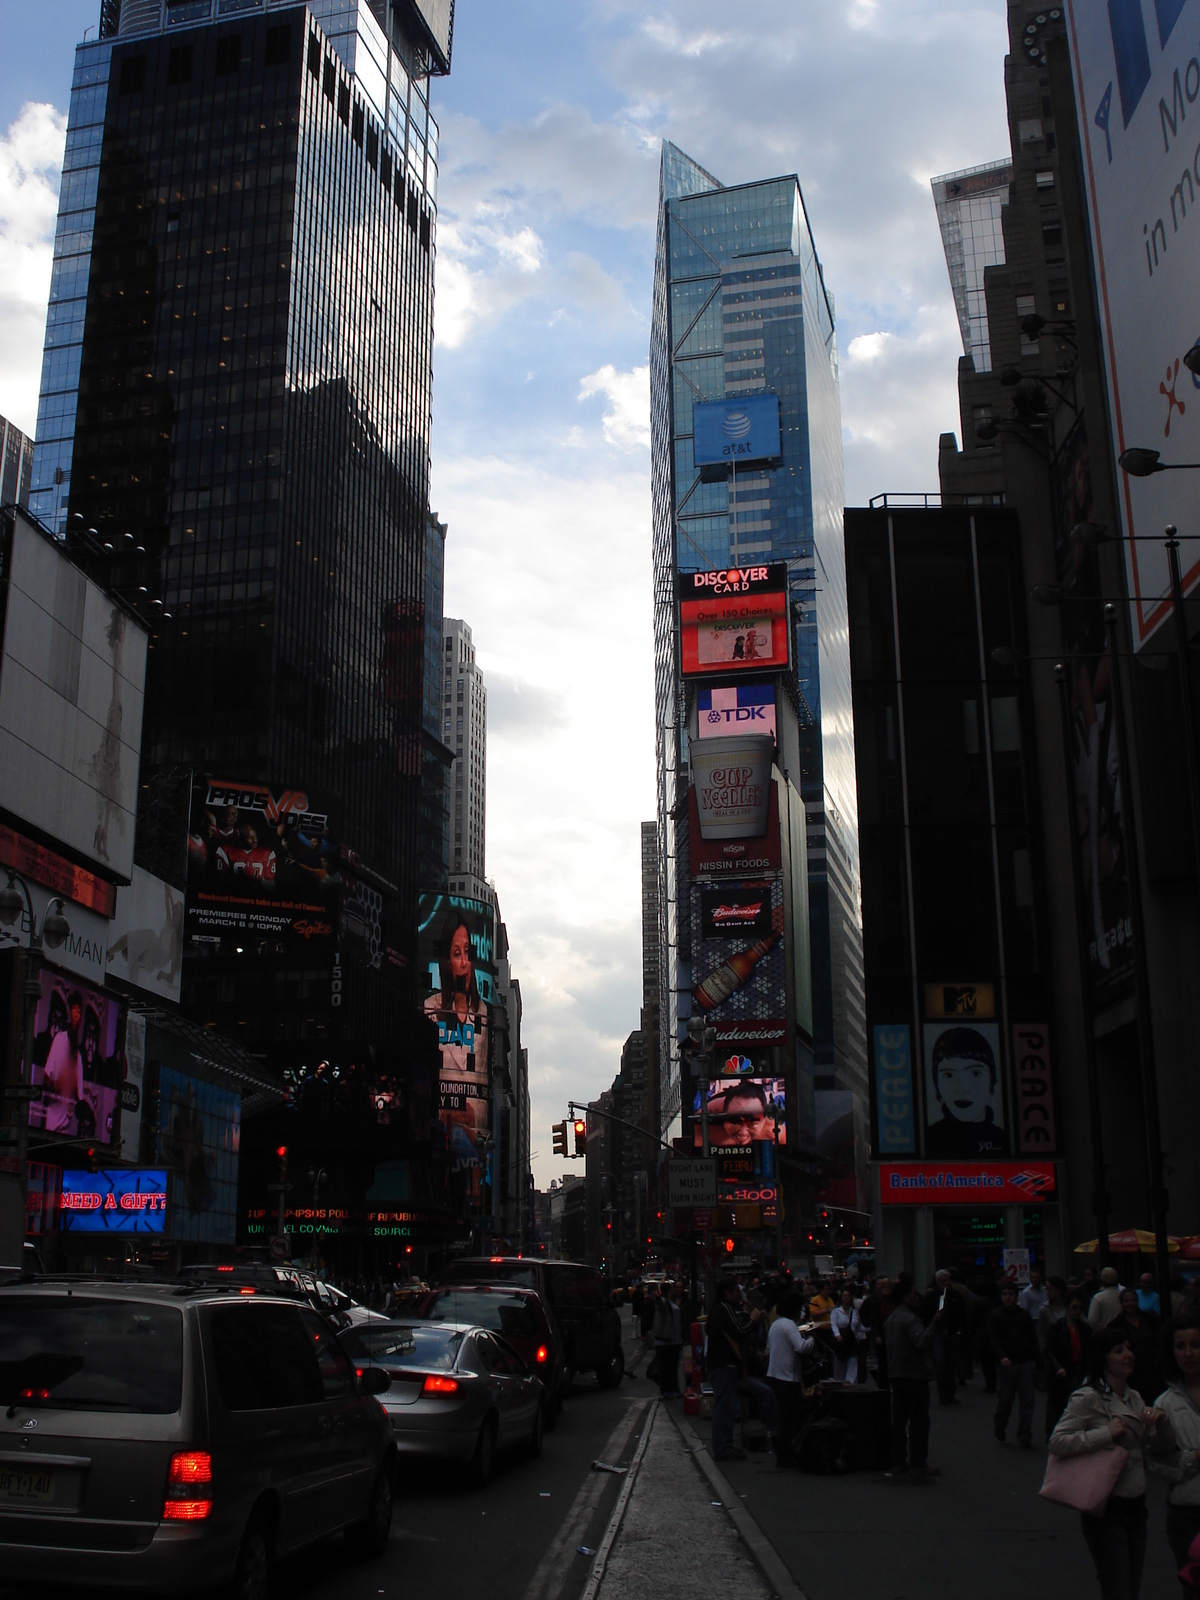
1014 1343
1066 1356
1141 1329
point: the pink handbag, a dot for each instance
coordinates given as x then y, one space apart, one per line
1084 1482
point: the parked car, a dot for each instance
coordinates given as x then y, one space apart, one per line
519 1316
289 1281
458 1392
590 1325
177 1435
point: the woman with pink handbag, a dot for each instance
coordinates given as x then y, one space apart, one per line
1097 1463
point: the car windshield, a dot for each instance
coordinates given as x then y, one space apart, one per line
85 1354
431 1349
509 1314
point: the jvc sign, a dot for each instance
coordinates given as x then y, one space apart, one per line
1136 66
691 1182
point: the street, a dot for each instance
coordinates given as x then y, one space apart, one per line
675 1524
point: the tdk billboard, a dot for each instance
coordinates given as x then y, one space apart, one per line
742 429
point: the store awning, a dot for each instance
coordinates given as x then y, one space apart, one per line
1127 1243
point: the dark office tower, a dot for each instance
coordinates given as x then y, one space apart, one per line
741 311
16 465
437 759
236 396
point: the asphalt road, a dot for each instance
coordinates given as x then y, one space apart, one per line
518 1537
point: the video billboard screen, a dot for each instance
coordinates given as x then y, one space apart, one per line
735 908
739 430
739 1112
72 679
128 1200
735 708
456 949
260 865
964 1096
733 620
77 1067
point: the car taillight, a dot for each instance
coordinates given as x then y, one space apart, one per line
189 1487
436 1385
542 1353
246 1291
35 1394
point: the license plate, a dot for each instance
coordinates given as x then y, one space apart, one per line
26 1487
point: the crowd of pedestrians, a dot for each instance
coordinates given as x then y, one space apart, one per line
1112 1376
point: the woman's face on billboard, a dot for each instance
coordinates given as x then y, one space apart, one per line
964 1088
460 953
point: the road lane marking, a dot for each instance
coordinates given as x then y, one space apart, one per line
556 1574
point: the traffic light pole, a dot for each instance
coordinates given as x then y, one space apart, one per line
594 1111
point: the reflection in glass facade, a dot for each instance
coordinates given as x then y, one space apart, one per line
740 307
968 205
236 394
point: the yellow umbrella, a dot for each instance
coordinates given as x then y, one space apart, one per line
1129 1242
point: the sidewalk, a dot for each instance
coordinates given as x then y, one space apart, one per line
981 1523
673 1542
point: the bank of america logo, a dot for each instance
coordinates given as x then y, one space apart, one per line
736 425
1033 1183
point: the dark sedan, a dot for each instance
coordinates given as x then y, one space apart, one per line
519 1316
458 1392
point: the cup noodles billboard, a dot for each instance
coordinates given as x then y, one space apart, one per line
734 620
733 786
732 858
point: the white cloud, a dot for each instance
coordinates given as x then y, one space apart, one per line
31 153
553 573
627 419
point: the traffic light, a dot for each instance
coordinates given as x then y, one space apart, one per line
93 1159
560 1138
281 1152
729 1247
580 1137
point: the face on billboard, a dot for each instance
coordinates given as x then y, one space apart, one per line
76 1064
964 1105
456 951
739 1112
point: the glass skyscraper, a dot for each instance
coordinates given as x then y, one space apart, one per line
741 308
968 205
236 388
236 396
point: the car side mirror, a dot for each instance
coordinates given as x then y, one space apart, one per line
374 1380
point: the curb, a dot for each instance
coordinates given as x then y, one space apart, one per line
600 1566
755 1540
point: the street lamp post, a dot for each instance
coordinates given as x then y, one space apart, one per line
776 1113
54 931
1099 1171
1149 1072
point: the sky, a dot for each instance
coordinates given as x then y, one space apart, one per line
551 124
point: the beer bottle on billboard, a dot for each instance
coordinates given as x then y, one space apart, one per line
732 974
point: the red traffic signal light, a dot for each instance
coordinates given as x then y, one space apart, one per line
93 1159
281 1151
580 1137
729 1247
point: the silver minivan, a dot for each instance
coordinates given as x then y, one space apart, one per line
175 1436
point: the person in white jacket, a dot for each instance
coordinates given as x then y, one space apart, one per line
849 1333
1180 1402
1103 1413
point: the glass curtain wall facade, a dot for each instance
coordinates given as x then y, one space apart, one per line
740 308
968 206
236 394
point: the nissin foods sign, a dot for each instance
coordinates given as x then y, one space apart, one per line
966 1183
741 430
